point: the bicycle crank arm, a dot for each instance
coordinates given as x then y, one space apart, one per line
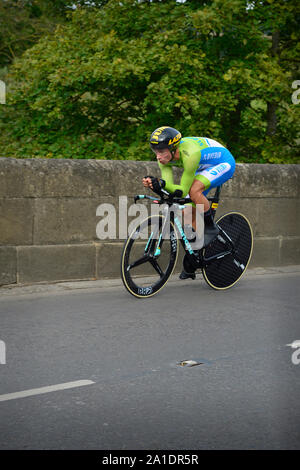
222 232
217 256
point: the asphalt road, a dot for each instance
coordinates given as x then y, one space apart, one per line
244 394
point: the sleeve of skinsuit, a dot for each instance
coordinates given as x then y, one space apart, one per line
190 156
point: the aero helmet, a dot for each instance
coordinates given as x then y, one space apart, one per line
165 137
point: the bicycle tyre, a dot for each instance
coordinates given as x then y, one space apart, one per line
223 273
145 281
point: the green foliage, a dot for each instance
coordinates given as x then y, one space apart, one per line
22 24
99 85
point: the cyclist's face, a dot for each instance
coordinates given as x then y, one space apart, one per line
163 155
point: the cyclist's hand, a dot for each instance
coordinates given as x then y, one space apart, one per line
153 183
147 182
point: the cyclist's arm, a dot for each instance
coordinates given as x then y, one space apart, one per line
187 178
167 176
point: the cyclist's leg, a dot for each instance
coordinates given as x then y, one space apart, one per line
188 270
211 177
204 181
217 174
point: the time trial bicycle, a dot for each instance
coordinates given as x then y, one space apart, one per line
147 264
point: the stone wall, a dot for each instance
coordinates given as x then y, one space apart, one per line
48 215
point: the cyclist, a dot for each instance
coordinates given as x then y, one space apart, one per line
206 165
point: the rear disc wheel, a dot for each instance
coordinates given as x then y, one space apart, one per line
224 272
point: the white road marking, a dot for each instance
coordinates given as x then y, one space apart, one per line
50 388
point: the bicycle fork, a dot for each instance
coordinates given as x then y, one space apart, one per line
154 233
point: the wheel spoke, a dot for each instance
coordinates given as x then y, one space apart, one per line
156 267
138 262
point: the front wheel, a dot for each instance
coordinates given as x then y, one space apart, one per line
222 273
149 257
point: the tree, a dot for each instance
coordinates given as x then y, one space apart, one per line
99 84
24 22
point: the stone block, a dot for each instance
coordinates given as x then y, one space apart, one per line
66 220
56 263
16 221
290 251
265 252
8 265
278 217
56 178
108 260
266 180
248 207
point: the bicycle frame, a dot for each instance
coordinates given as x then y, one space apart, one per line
169 215
218 260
